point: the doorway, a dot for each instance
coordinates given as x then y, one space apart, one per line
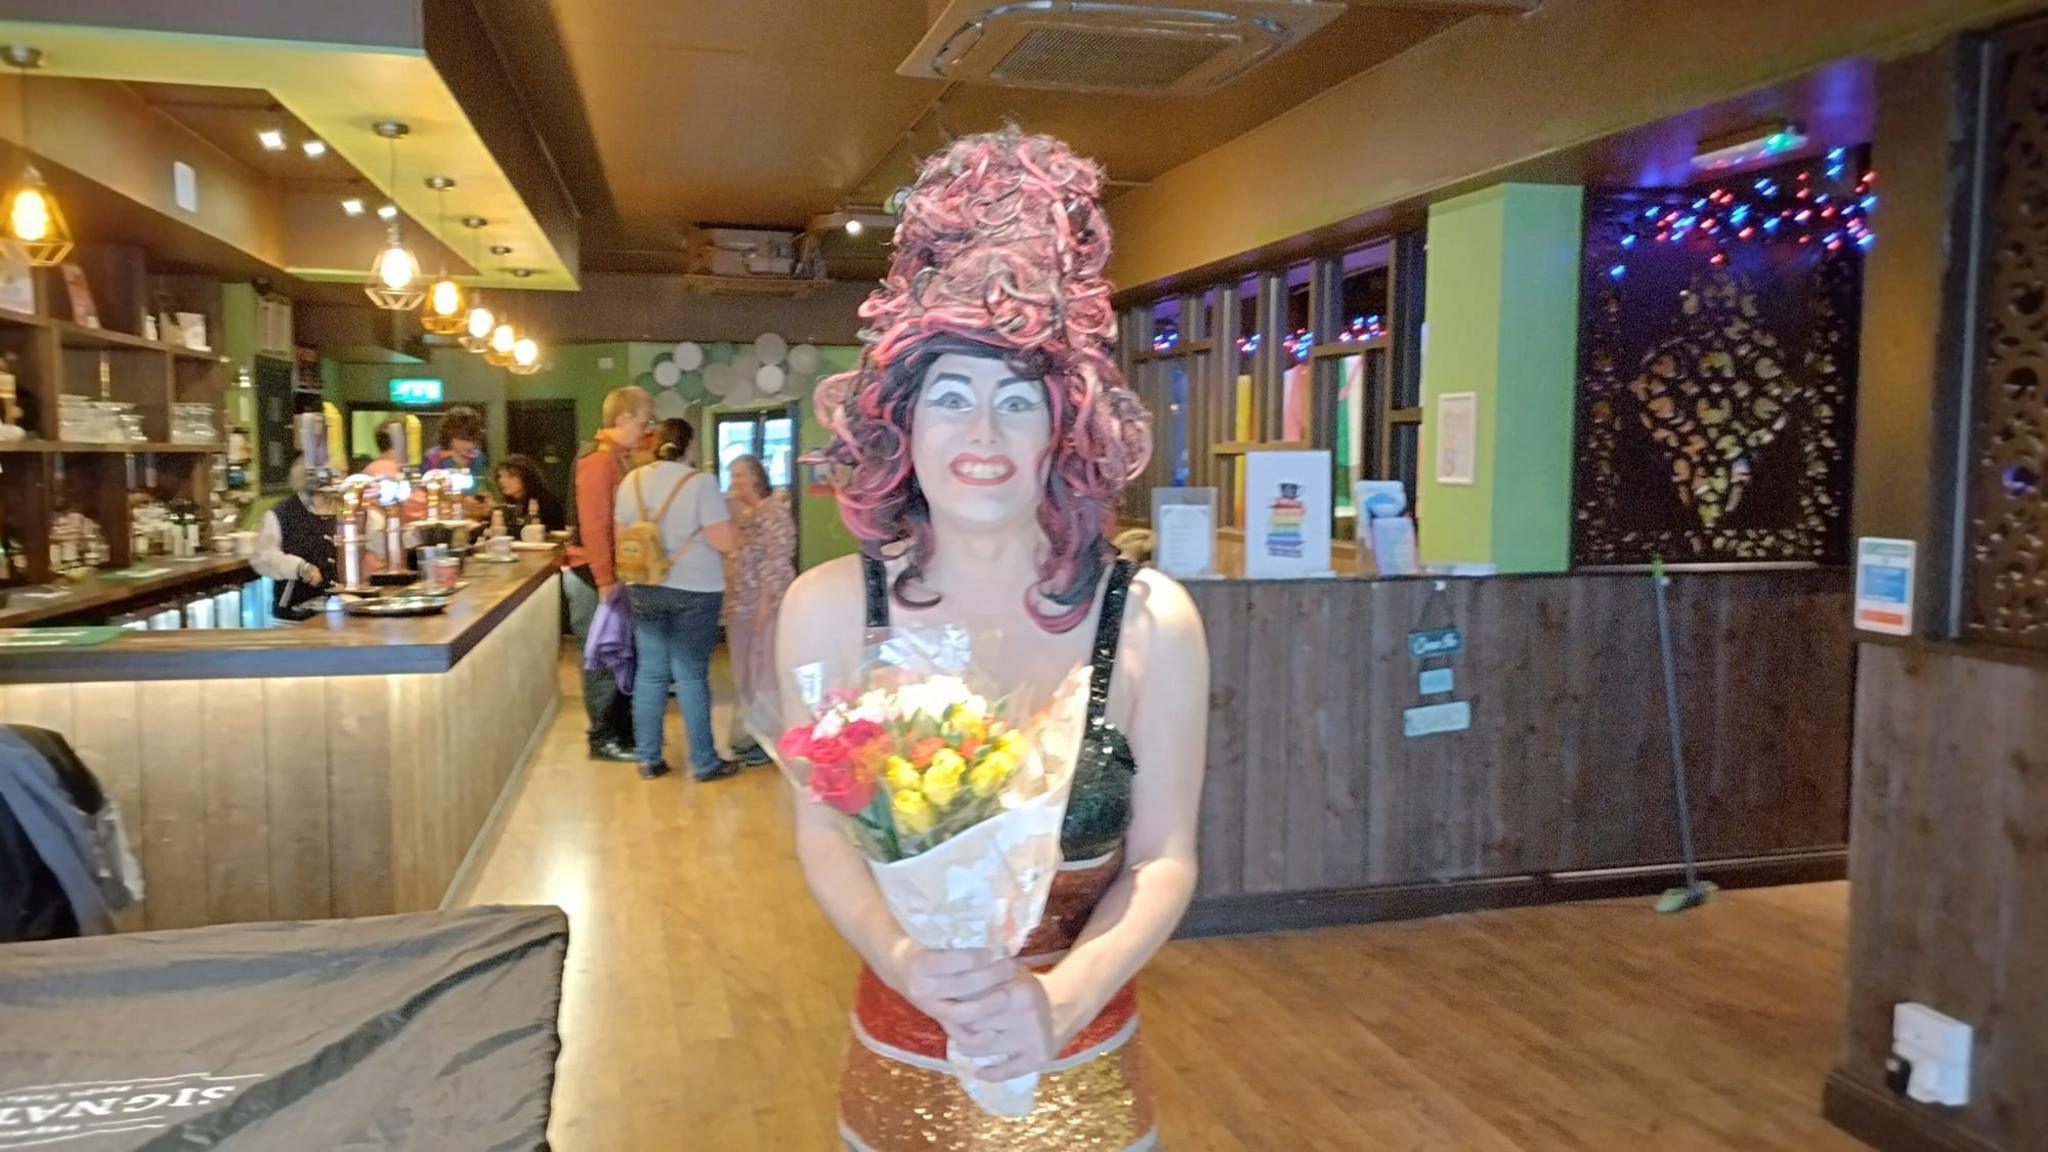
546 431
769 435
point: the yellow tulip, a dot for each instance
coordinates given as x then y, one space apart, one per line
902 776
942 781
991 774
1013 743
948 760
913 813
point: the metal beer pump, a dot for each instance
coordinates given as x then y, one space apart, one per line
394 495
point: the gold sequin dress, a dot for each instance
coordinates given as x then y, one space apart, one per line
897 1093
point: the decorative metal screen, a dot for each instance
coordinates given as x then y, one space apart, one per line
1717 369
2007 565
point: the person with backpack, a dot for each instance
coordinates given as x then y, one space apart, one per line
670 527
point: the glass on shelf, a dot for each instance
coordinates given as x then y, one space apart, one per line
195 424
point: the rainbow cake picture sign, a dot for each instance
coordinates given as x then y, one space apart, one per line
1287 514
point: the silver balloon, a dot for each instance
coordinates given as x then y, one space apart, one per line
804 360
770 348
770 379
689 357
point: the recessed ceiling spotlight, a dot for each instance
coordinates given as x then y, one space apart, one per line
501 249
353 206
522 273
314 149
272 139
387 212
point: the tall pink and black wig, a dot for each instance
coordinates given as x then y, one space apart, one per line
1000 251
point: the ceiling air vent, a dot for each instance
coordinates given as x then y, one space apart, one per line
1157 46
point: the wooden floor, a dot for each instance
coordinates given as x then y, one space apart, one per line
706 1000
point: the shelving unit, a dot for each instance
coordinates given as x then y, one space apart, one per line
40 476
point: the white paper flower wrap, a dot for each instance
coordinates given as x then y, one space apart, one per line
987 887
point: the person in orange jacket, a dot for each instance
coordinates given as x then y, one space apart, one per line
588 576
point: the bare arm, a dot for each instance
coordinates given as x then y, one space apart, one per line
820 625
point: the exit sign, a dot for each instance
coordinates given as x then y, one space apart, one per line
405 391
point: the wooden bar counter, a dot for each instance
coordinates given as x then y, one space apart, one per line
1320 808
339 767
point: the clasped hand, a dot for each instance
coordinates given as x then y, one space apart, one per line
991 1007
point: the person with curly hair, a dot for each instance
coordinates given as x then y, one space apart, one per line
983 441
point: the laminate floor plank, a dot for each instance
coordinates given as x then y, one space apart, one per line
706 999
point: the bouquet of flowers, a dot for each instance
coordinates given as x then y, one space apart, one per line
954 794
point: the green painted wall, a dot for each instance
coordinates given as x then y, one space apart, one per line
1503 324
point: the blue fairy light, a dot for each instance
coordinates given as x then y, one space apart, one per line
1617 272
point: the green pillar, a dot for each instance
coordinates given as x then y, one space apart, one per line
1503 325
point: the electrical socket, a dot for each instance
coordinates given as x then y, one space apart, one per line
1933 1052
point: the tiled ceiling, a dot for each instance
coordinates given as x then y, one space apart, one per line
773 111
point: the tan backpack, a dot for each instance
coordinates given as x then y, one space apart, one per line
637 553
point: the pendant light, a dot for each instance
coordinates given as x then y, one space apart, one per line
478 321
446 311
504 344
395 275
32 225
525 357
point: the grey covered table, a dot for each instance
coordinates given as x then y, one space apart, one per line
432 1030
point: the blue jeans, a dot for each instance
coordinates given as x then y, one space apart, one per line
674 633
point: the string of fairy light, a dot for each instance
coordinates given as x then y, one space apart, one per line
1299 343
1823 208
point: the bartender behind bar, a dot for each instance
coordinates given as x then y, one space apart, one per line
295 545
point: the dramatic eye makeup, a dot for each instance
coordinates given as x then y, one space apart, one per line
1016 395
949 392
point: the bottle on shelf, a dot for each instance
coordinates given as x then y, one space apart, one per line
533 531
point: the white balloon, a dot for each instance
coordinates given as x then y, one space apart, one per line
770 348
666 373
745 364
689 357
803 360
770 379
671 405
742 394
718 379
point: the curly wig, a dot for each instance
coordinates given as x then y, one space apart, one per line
1000 251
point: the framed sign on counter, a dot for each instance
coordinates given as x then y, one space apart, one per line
1287 514
1184 532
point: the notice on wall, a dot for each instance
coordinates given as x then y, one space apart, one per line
1287 514
1884 585
1457 438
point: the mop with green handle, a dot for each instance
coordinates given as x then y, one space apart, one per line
1695 892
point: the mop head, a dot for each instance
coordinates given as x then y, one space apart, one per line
1680 899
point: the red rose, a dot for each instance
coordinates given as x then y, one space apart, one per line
795 744
830 751
841 786
861 732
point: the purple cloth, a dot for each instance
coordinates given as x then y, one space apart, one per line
610 646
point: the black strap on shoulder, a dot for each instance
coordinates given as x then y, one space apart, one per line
877 579
1108 631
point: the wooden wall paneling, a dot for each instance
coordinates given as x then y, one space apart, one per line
418 795
1344 723
295 731
1307 728
359 743
1950 853
234 771
1384 659
1267 758
1225 607
174 832
110 743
